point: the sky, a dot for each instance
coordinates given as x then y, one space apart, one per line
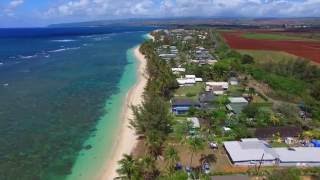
28 13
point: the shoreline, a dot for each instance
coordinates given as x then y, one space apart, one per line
126 140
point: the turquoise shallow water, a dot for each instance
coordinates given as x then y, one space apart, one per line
57 88
90 162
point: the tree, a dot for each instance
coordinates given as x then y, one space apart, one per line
128 167
251 110
196 144
172 157
148 168
152 115
247 59
154 141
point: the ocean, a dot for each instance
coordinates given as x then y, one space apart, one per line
61 91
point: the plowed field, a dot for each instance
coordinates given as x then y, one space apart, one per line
306 49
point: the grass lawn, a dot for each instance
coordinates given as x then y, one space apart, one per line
278 144
263 55
273 36
236 91
190 91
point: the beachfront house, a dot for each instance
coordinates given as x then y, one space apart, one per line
217 88
252 151
182 106
188 80
237 104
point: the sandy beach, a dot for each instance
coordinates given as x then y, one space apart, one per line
126 139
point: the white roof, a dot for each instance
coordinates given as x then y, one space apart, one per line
178 69
237 100
199 79
253 149
250 140
185 81
195 122
247 151
225 85
190 76
300 154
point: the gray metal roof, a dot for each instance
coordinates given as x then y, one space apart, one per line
300 154
253 149
248 151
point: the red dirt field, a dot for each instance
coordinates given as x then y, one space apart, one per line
305 49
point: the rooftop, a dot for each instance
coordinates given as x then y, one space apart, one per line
254 150
237 100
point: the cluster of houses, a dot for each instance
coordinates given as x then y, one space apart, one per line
206 98
198 55
202 56
167 52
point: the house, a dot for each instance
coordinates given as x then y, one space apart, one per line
206 100
253 151
217 88
178 70
237 104
182 106
283 132
233 81
188 80
167 56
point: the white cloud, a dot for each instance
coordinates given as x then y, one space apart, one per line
12 6
88 9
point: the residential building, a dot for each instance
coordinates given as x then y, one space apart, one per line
233 81
182 106
217 88
178 70
206 100
188 80
253 151
237 104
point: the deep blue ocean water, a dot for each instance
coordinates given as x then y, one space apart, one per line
53 86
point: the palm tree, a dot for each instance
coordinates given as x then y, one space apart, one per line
128 167
148 168
195 144
172 157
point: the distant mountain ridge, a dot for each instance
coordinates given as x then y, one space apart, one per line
310 21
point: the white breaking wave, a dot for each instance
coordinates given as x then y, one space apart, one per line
64 40
63 49
27 57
